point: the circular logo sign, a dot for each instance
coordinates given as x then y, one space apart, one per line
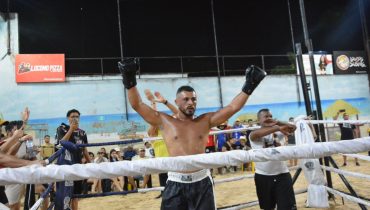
342 62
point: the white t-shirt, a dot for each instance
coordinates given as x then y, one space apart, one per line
149 152
268 167
137 157
280 137
22 151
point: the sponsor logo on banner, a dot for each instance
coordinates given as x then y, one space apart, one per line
40 68
350 62
342 62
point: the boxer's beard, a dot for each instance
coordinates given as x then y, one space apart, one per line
187 112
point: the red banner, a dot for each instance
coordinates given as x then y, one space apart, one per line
39 68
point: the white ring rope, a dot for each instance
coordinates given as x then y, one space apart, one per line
338 121
51 173
362 157
150 189
217 181
348 197
347 173
233 130
243 206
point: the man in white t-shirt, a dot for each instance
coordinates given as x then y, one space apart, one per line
272 178
141 156
149 151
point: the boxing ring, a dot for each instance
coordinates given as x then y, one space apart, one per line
54 173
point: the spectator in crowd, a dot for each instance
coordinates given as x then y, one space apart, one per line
211 146
104 152
272 178
91 157
149 151
74 134
15 145
47 149
128 154
291 142
141 156
236 135
228 146
97 185
347 132
221 139
88 182
248 132
9 144
114 157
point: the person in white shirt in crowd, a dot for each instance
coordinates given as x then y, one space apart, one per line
272 178
149 151
141 156
97 187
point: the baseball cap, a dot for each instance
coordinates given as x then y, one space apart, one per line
3 122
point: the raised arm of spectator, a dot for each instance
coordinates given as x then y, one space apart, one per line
273 127
12 140
17 134
153 130
14 149
14 162
25 116
336 116
161 99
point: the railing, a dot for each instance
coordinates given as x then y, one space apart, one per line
189 66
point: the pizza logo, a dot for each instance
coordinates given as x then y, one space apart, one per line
342 62
23 68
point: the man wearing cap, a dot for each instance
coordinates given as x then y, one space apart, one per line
236 135
141 156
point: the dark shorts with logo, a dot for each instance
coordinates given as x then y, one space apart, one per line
275 190
189 196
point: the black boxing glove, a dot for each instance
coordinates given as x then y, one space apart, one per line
128 68
253 76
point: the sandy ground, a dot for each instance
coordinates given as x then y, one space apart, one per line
238 192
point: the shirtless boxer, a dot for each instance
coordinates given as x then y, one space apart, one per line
186 134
